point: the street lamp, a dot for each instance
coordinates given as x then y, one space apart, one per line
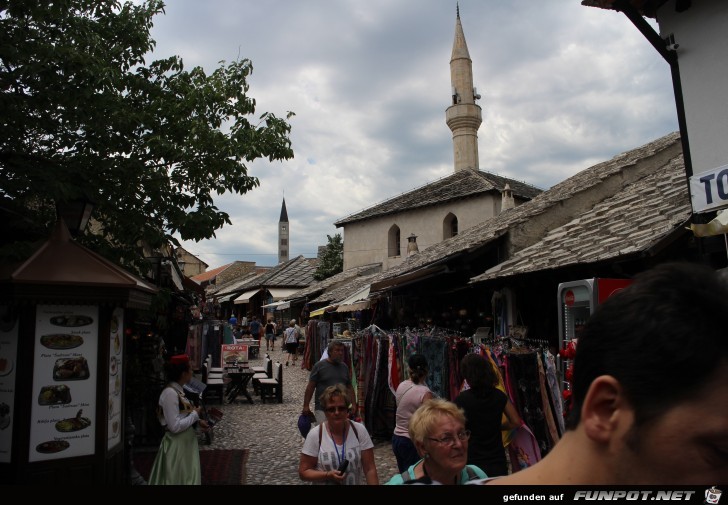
75 213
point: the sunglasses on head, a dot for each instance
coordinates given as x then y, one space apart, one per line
331 410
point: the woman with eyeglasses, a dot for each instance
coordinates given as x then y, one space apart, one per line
437 429
485 405
338 451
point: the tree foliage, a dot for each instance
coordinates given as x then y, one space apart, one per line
83 114
332 260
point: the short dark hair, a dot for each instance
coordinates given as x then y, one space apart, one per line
662 338
478 372
334 343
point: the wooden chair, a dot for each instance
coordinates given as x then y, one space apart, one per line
215 386
262 369
266 374
273 387
213 372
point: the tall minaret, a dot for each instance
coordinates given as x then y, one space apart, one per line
283 244
464 116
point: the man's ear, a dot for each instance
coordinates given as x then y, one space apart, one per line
602 407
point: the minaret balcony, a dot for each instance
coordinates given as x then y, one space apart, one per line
464 116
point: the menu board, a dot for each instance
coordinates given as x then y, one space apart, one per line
116 353
63 405
233 352
8 360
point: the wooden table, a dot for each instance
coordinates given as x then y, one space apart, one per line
239 379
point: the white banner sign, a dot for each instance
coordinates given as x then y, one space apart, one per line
709 190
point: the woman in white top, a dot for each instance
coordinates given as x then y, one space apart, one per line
338 451
178 459
410 395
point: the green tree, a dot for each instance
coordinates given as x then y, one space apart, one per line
82 113
332 260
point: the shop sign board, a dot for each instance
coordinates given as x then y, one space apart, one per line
709 190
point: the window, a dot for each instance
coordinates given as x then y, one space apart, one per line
393 241
449 226
284 252
284 241
283 227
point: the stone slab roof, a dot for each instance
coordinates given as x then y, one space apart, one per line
294 273
330 283
341 292
630 222
461 184
551 201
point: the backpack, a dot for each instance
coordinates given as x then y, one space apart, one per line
471 475
269 328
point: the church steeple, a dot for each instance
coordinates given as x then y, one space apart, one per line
283 233
464 116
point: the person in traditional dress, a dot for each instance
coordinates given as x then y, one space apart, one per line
178 459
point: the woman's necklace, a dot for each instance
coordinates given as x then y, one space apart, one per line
342 456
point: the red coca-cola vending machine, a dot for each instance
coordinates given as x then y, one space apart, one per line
577 300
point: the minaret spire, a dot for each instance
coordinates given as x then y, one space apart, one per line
464 116
283 234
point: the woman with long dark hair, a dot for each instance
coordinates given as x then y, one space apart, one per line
484 405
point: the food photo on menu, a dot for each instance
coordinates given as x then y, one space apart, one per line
71 369
71 321
61 341
72 424
54 395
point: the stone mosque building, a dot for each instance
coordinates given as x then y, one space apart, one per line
388 232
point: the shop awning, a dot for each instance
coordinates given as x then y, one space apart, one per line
281 293
245 297
320 311
353 307
225 298
275 305
357 301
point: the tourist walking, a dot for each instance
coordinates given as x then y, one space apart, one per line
484 405
438 430
290 339
410 394
338 451
328 372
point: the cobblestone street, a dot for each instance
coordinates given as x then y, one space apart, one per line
271 433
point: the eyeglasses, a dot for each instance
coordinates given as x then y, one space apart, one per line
331 410
449 440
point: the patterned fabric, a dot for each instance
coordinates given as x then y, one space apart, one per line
524 451
554 391
552 432
525 371
435 351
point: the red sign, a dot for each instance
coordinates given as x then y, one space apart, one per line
569 298
608 287
233 352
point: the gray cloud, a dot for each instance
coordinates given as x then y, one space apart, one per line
563 87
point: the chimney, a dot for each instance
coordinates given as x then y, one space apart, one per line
507 201
412 245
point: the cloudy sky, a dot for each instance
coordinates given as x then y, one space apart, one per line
563 87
